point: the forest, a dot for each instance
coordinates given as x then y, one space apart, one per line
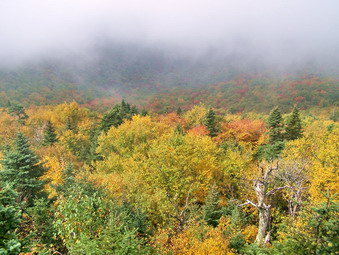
174 177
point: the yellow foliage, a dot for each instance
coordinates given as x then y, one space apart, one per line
195 116
325 167
56 159
8 127
131 134
250 232
195 240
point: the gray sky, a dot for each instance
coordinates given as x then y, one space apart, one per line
272 29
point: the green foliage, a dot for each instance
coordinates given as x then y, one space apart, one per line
90 225
210 123
275 126
212 210
319 235
18 111
117 114
9 222
293 129
21 170
50 136
179 130
270 152
71 125
42 231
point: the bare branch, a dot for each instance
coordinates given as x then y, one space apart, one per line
248 202
271 192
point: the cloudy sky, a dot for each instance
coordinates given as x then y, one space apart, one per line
295 29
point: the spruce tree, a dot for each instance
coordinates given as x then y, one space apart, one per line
50 136
212 210
111 118
21 170
9 221
117 114
144 112
293 126
275 125
210 123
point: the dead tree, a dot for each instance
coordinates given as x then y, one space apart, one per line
264 187
180 211
293 173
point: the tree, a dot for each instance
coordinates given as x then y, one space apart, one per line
9 222
18 111
314 232
210 123
21 170
293 128
50 136
264 190
71 125
212 210
111 118
275 125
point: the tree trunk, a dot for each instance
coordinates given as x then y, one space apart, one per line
264 220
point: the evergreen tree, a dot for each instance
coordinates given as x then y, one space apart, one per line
212 210
210 123
144 112
293 127
134 110
18 111
50 136
111 118
21 170
275 125
9 222
93 138
117 114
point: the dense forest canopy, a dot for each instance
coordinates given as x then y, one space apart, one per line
195 181
169 127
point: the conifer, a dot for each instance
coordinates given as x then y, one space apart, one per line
9 222
50 136
21 170
210 123
293 126
275 125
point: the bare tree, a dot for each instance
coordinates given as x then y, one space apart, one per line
293 173
181 211
265 187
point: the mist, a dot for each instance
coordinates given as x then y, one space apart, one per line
264 32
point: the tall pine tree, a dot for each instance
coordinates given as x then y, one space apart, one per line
276 126
293 126
210 123
21 170
9 222
117 114
50 136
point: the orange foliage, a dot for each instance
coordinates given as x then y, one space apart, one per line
245 130
198 130
172 119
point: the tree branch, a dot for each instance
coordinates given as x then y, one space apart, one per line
248 202
271 192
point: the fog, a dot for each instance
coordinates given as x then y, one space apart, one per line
285 33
